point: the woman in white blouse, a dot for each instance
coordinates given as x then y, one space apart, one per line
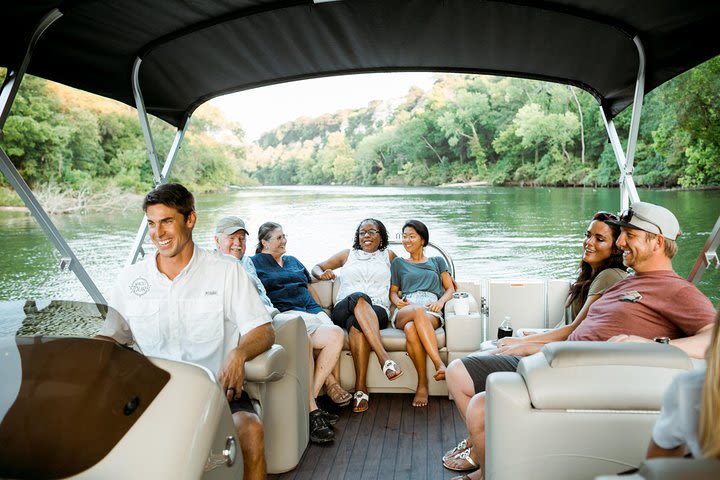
362 303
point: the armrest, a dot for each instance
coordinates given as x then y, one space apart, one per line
463 333
269 366
601 375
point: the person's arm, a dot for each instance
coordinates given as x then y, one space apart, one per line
695 346
655 451
324 270
391 255
395 298
555 335
250 345
449 286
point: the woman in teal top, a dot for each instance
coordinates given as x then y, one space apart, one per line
426 286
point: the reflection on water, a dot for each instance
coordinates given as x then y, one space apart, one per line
489 232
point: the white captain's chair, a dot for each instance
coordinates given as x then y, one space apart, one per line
577 409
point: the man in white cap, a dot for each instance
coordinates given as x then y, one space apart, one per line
654 304
230 239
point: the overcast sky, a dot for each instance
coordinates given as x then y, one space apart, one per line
263 109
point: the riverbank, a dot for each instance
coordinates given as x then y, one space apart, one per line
57 201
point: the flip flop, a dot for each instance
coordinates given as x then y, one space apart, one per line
460 447
358 406
465 463
390 367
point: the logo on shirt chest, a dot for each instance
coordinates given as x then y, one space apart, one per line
140 286
633 297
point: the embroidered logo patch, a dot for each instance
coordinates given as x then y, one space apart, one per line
140 286
633 296
211 292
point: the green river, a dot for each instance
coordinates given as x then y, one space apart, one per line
490 232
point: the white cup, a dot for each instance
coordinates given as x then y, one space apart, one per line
462 303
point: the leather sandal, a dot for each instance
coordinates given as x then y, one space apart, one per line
462 462
391 370
338 395
359 398
460 447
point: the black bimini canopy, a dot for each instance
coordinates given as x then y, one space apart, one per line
194 50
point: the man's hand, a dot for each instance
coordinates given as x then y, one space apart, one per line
519 350
629 338
232 375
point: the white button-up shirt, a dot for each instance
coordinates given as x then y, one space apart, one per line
197 317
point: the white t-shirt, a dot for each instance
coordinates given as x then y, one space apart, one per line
678 421
367 273
197 317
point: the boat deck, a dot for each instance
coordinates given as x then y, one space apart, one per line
391 440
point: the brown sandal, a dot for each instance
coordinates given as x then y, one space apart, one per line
338 395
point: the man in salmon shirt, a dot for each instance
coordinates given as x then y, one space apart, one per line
654 303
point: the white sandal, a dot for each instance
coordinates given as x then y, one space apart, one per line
391 366
357 400
460 447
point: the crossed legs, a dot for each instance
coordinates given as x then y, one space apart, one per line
364 340
327 340
419 328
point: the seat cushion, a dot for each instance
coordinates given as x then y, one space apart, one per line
393 339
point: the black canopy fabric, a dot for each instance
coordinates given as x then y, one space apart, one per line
194 50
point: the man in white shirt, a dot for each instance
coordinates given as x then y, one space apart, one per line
188 304
231 239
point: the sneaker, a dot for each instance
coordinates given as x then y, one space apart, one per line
320 431
330 418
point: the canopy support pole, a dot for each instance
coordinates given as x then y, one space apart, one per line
137 250
628 191
708 255
160 177
7 96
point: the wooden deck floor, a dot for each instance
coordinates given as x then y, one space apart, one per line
391 440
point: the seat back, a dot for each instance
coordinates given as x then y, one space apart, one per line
577 409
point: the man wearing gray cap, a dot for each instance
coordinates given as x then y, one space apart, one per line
230 238
653 304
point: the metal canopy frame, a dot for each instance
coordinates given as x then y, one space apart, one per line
7 97
159 176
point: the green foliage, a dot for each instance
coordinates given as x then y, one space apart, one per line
51 141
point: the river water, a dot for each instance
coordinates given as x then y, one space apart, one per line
498 232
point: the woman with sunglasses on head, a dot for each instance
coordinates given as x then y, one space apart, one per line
601 266
426 286
362 304
286 283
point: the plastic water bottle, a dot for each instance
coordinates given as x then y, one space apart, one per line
505 329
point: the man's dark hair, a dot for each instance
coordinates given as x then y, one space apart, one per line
171 195
420 228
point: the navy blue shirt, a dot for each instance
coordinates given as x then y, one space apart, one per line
287 285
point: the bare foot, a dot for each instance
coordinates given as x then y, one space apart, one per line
439 373
421 397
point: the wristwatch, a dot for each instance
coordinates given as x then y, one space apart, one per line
662 339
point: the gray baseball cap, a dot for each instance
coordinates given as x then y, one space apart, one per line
230 225
650 218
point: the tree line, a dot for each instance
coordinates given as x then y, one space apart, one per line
466 128
501 131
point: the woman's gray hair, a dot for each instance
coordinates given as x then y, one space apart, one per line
264 233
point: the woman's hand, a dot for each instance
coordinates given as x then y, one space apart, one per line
403 302
435 306
519 350
509 341
327 275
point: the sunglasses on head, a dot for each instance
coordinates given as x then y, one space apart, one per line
627 215
602 216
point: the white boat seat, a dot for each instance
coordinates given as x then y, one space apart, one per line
672 469
269 366
577 409
461 335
